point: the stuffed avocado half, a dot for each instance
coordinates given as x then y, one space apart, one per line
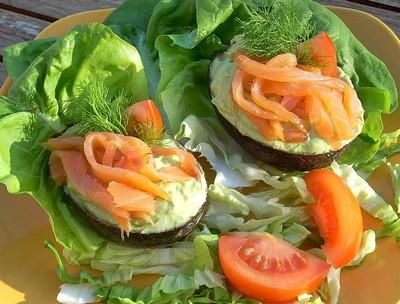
171 219
141 188
303 131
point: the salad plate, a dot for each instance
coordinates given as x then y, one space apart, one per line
27 269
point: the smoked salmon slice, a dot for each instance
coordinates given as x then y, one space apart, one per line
248 106
273 106
290 102
286 74
188 161
312 69
320 119
285 100
64 143
109 174
75 169
283 60
263 126
57 171
278 129
352 105
332 102
174 174
131 199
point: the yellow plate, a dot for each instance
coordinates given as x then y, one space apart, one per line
27 270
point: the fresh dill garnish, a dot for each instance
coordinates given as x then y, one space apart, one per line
274 30
304 55
94 108
148 133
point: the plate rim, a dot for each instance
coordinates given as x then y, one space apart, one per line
106 12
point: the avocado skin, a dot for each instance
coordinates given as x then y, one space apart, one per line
135 239
280 159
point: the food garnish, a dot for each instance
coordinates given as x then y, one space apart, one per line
337 214
145 122
95 108
266 268
274 30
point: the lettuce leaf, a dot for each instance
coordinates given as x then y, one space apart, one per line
18 57
386 147
30 114
112 256
56 73
182 97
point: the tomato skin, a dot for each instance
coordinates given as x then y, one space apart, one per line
337 214
323 51
145 112
301 272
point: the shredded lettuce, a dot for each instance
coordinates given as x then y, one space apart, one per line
368 245
262 204
228 211
369 200
395 175
76 294
333 283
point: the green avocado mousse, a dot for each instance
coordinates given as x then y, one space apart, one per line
141 189
284 99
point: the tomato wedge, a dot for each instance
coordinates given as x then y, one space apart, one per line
323 51
265 268
145 112
337 214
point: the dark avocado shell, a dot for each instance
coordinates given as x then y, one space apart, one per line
280 159
135 239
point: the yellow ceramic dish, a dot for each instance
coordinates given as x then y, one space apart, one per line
27 269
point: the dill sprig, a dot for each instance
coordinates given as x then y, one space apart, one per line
304 55
274 30
148 133
94 108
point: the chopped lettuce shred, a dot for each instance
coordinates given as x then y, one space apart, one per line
77 294
394 170
369 200
368 245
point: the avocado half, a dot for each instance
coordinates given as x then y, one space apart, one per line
136 239
284 160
